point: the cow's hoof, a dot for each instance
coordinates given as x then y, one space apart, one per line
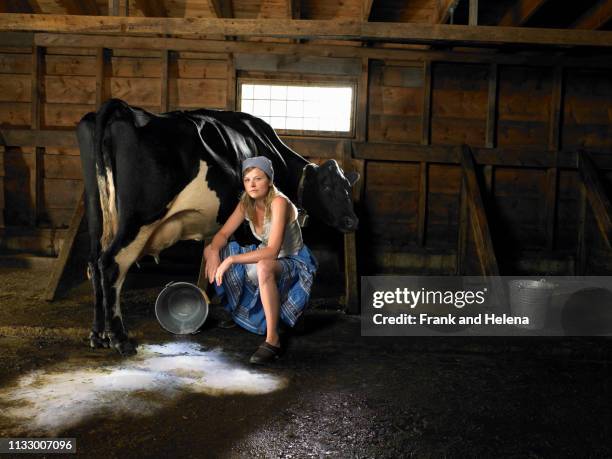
96 341
123 345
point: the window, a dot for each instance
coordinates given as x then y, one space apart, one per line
297 108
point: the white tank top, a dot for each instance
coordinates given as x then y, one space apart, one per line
292 240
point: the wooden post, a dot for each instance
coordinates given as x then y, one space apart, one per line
463 230
231 83
580 264
36 175
100 61
473 15
426 116
552 174
351 280
492 106
164 87
361 116
422 212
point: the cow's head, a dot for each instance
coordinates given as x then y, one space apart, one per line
327 195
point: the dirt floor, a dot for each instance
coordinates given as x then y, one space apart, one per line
333 394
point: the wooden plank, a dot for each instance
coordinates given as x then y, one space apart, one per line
36 172
66 249
596 194
426 115
70 89
598 15
480 225
492 106
422 213
587 60
221 8
17 39
27 137
520 12
307 29
361 114
164 105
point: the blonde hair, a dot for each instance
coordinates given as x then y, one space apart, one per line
248 203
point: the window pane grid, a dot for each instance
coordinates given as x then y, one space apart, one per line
300 108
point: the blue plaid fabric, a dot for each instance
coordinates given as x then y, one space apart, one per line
241 297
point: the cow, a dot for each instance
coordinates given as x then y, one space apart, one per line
154 179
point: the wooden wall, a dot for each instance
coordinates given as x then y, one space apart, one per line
409 201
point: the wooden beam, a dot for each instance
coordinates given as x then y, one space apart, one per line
361 115
366 9
520 12
152 8
351 278
462 238
596 16
221 9
308 29
480 225
443 11
36 173
590 60
100 66
113 7
231 83
276 9
596 194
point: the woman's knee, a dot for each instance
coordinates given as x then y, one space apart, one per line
265 270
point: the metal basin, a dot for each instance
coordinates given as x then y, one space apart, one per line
181 308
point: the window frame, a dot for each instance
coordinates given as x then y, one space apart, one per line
311 81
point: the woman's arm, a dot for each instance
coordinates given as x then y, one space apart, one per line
211 252
275 240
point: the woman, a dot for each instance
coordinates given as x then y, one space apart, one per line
264 283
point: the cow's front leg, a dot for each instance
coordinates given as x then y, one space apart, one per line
114 329
96 338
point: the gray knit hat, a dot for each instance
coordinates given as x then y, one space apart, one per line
260 162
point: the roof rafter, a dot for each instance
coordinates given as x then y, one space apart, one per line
20 6
596 16
152 8
520 12
276 9
221 8
443 10
366 9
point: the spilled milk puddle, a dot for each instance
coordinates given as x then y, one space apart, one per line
49 401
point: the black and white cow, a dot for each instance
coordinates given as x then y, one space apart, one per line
152 180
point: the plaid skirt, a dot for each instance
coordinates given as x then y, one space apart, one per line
241 296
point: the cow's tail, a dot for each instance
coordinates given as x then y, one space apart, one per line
104 172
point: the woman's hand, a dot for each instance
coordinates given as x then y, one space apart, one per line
212 262
222 268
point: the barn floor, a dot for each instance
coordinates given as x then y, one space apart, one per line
334 393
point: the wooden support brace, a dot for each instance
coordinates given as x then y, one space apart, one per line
351 280
66 248
596 194
426 116
480 224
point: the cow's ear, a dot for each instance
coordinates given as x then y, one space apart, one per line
352 177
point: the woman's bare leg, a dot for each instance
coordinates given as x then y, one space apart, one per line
267 272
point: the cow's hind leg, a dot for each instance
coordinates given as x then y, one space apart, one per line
114 264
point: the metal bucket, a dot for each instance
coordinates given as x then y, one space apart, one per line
181 308
530 298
